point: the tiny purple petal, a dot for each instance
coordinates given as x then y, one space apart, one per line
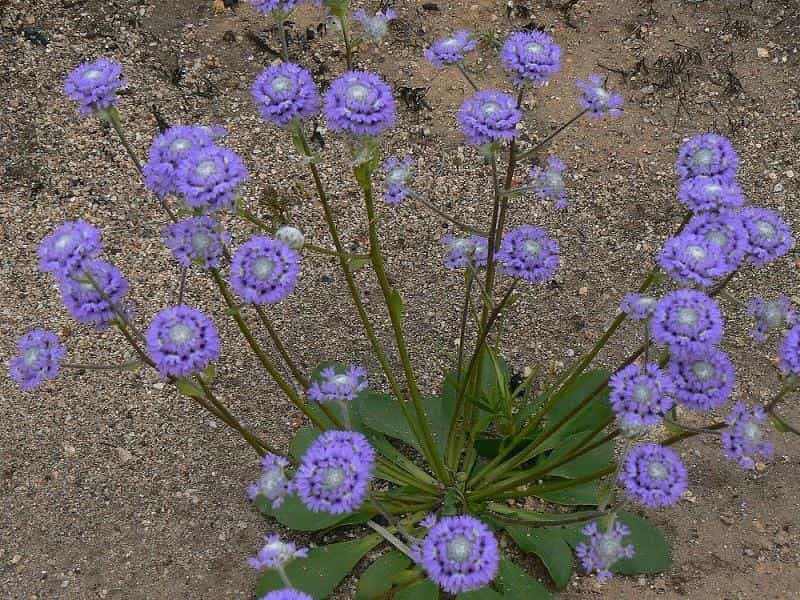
398 172
264 271
182 341
94 85
465 252
275 554
286 594
769 235
451 49
703 379
691 259
597 100
686 319
530 56
603 549
789 352
548 182
638 307
641 398
339 387
71 246
489 116
286 92
710 193
209 178
360 103
84 302
196 240
273 483
653 475
528 253
743 440
707 154
771 316
38 358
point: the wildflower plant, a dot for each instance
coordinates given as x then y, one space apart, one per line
439 478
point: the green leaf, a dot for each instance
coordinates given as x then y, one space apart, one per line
376 581
583 494
485 593
302 440
321 572
423 590
582 465
598 409
516 584
653 552
396 304
356 262
549 546
210 373
187 388
294 515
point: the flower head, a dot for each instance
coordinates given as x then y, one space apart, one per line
465 252
604 549
69 247
285 92
334 473
273 483
707 154
769 235
743 438
196 240
450 49
770 316
692 259
789 352
653 475
724 230
459 554
703 378
360 103
597 99
39 355
640 397
548 182
209 177
267 6
286 594
686 319
339 387
398 172
182 341
528 253
638 307
530 56
291 236
376 26
489 116
710 193
87 304
275 554
264 271
94 85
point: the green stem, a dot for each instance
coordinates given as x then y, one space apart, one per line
437 211
301 379
391 538
466 76
552 136
126 366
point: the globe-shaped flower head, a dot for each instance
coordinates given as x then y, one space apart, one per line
789 352
548 182
338 387
285 92
489 116
638 307
528 253
334 473
692 259
653 475
450 49
376 26
209 177
743 440
769 235
707 154
182 341
686 319
771 316
597 100
360 103
703 378
275 554
286 594
398 172
724 230
640 397
267 6
703 193
273 483
71 246
459 554
264 271
94 85
88 304
530 56
39 355
465 252
196 240
604 548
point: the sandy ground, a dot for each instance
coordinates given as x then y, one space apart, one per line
116 487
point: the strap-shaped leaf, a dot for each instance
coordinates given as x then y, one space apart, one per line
549 546
516 584
423 590
595 412
376 581
294 515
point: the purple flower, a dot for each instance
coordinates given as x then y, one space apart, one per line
489 116
548 183
465 252
169 149
707 154
69 247
398 172
272 484
638 307
530 56
375 26
88 305
208 177
339 387
528 253
39 354
451 49
267 6
743 438
789 352
703 193
94 85
275 554
771 316
597 99
725 230
604 549
640 398
182 341
196 240
770 237
691 259
703 378
264 271
459 554
285 92
286 594
335 471
653 475
360 103
686 319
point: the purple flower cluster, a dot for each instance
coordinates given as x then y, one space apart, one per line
338 387
71 246
264 271
548 182
530 56
376 26
686 319
489 116
286 594
39 355
94 85
771 316
360 103
451 49
88 304
709 155
653 475
743 438
638 307
209 177
710 193
726 231
463 253
769 236
182 341
398 172
604 548
196 240
692 259
640 397
335 471
528 253
459 554
703 378
285 92
267 6
789 352
275 554
273 483
597 100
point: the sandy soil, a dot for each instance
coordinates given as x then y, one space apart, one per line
119 488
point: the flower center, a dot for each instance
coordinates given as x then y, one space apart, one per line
181 333
713 189
696 252
702 157
358 92
263 267
206 168
489 108
609 549
93 74
333 478
752 432
687 316
31 356
451 43
397 176
200 242
281 84
703 370
62 241
718 237
657 471
341 379
459 548
533 248
602 96
554 181
533 48
773 315
641 393
765 229
646 302
180 145
271 482
280 550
